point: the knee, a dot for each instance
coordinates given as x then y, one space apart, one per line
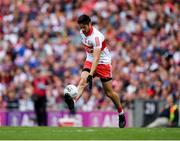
109 93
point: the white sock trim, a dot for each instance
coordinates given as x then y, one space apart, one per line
121 113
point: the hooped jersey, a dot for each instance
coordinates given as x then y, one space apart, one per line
95 40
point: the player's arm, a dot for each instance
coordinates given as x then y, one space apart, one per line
96 56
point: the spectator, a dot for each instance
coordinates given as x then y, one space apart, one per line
3 104
39 97
25 102
12 101
169 116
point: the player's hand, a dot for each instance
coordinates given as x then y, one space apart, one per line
89 81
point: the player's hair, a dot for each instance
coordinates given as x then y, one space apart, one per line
84 19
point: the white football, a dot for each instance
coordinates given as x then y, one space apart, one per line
71 90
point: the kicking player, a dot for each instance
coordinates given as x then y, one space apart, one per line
98 63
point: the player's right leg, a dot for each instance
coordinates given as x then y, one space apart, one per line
82 83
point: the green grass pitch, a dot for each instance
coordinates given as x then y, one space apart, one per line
79 133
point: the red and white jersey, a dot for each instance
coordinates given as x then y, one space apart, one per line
95 39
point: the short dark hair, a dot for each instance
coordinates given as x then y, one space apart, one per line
84 19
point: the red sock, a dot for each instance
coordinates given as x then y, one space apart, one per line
120 110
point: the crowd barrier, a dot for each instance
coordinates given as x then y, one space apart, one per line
62 118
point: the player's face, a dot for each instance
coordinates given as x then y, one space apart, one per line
85 28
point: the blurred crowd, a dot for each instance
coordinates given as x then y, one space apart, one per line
39 39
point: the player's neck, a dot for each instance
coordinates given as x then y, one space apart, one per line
90 30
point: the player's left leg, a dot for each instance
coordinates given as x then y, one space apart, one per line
107 86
